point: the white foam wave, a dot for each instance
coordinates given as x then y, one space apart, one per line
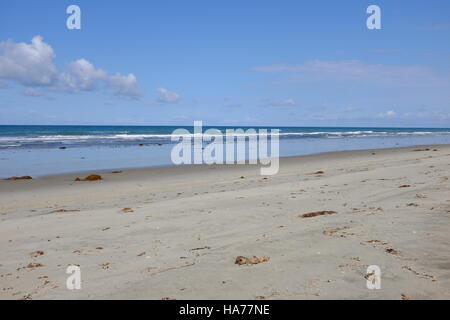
17 141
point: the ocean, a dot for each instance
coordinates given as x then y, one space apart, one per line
45 150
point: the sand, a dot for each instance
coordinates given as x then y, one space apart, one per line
183 228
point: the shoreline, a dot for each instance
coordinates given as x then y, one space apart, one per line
168 166
175 232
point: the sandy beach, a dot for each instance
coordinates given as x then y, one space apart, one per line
175 232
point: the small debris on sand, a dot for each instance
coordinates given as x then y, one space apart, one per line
201 248
405 297
391 251
419 150
421 275
405 186
63 211
115 172
319 172
104 265
333 231
107 228
249 261
271 296
19 178
377 241
318 213
126 210
141 254
370 276
149 269
412 205
92 177
37 253
34 265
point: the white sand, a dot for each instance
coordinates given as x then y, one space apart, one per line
149 253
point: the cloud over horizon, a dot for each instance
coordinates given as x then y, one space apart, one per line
355 70
280 103
166 96
32 65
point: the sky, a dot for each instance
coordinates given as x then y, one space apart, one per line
234 62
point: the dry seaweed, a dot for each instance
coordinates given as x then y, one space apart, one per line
249 261
318 213
92 177
19 178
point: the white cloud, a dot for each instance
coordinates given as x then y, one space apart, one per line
180 117
352 109
81 75
29 64
281 103
438 27
32 92
32 65
124 86
387 114
355 70
442 115
166 96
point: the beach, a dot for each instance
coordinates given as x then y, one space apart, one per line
175 232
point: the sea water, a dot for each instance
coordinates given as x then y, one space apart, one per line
46 150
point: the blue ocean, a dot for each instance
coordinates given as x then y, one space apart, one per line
45 150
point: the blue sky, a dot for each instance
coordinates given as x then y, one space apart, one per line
277 63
